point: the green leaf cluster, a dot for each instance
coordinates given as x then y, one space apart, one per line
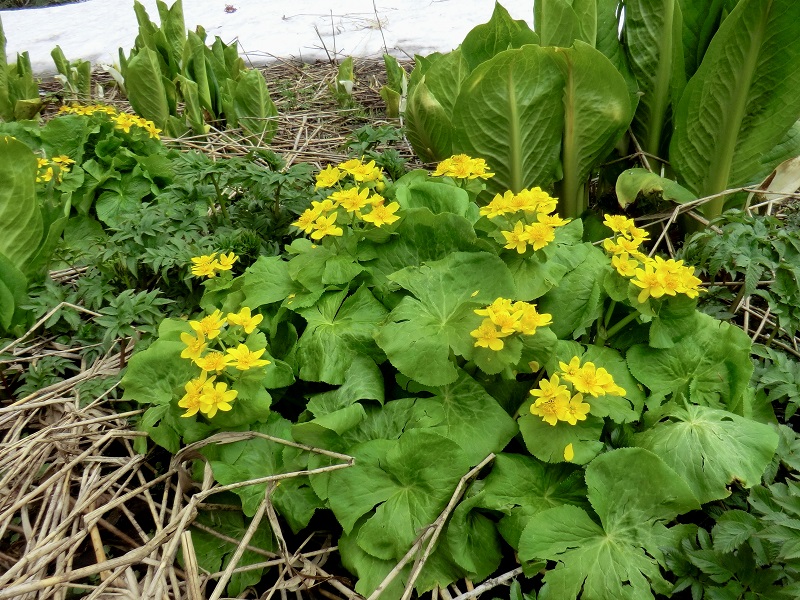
369 337
168 67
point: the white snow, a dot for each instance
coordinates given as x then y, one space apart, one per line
266 29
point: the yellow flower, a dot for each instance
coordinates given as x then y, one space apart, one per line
194 391
352 200
551 409
480 169
551 220
213 361
210 325
488 336
550 389
517 239
245 320
348 165
305 222
124 122
195 346
205 266
500 305
244 358
569 453
325 206
499 205
216 397
443 168
531 319
624 265
63 160
382 214
576 410
570 369
329 177
225 261
539 235
617 223
365 172
326 226
152 130
591 380
650 282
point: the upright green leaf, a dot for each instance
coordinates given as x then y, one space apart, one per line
653 39
6 108
500 33
255 111
21 226
562 22
597 111
711 449
174 29
146 90
510 112
430 105
700 22
741 101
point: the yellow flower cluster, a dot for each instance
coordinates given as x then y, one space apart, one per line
505 318
461 166
535 226
657 277
122 121
366 180
208 265
55 167
205 394
557 402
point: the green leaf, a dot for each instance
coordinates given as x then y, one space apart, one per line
510 112
633 493
214 554
711 449
21 226
146 89
338 331
700 22
577 302
597 111
430 106
371 571
653 38
521 486
422 329
547 442
620 410
268 281
6 106
422 237
562 22
500 33
465 413
410 480
472 539
255 111
435 196
259 457
712 367
733 529
13 293
637 181
740 102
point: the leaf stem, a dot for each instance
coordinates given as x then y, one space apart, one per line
620 324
